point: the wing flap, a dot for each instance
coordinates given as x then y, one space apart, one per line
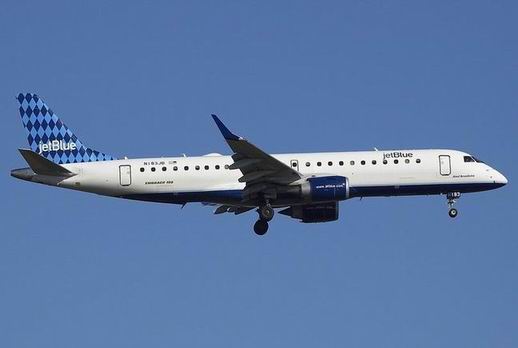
231 209
254 175
244 163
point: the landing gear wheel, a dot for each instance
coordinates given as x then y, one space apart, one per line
452 199
453 213
261 227
266 212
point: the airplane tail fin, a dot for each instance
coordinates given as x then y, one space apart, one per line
51 138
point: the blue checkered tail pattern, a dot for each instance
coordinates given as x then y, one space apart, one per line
50 137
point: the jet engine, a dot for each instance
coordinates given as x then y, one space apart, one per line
311 213
325 189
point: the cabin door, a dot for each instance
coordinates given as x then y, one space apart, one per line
125 175
444 165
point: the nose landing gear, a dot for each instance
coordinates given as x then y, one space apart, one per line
452 199
453 212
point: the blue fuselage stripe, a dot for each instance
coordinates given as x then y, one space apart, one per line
235 196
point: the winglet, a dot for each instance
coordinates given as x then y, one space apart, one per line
227 134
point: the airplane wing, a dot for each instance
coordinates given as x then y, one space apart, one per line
226 208
231 209
261 172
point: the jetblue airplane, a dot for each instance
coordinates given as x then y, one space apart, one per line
305 186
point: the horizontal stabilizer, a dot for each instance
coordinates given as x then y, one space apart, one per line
42 166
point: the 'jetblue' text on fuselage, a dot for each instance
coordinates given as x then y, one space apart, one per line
398 154
56 145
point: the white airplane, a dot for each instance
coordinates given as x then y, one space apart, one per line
306 186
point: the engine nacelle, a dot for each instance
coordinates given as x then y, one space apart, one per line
325 189
311 213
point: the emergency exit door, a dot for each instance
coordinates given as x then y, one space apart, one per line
125 175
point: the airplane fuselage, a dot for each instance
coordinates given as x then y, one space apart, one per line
207 178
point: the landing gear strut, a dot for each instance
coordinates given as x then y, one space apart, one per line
266 213
452 198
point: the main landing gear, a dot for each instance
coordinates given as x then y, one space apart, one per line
261 227
452 198
266 213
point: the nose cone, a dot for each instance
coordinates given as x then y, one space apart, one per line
503 179
499 178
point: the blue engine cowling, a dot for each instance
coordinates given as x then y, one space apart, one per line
311 213
326 189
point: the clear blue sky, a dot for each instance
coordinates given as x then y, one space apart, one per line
78 270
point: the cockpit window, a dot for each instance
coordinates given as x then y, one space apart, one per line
472 159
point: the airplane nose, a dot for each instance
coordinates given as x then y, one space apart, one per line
504 180
500 178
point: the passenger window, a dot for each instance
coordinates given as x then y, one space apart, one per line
373 161
153 169
418 161
142 169
330 163
226 166
206 167
363 163
294 164
319 164
217 167
352 163
341 163
197 167
175 168
385 161
308 164
186 168
164 169
407 161
396 161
